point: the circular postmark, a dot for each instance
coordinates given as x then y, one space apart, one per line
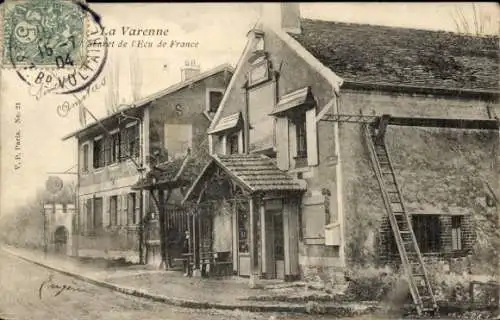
54 44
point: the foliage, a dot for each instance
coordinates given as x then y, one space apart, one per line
24 226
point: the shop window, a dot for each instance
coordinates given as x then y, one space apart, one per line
243 229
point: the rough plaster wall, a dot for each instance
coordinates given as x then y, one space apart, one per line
437 170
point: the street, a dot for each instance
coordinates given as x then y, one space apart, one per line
61 297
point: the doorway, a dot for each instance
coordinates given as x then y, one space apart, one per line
278 244
60 240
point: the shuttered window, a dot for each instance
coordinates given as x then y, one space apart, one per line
113 210
131 208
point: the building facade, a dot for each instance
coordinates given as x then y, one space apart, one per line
118 151
296 107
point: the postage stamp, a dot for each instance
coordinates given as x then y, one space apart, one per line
43 33
47 43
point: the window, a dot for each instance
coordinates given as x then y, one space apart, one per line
130 141
115 147
456 233
214 100
233 141
85 160
131 219
427 229
90 215
113 210
99 153
97 218
300 126
243 228
178 139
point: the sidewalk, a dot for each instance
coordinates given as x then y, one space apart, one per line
173 288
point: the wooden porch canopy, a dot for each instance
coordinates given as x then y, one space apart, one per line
173 174
253 173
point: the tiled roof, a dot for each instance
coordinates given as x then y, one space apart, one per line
293 99
399 56
181 171
228 122
258 172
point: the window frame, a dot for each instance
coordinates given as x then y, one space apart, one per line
457 243
115 147
98 157
207 99
85 157
428 242
111 213
131 208
243 226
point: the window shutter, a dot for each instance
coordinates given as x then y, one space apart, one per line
282 143
292 136
312 137
137 213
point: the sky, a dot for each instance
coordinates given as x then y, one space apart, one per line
219 28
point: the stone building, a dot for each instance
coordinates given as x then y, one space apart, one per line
116 152
288 141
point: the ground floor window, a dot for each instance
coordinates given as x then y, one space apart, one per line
131 203
427 229
456 233
113 210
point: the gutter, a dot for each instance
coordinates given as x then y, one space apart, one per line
490 95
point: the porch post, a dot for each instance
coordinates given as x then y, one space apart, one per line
161 209
254 260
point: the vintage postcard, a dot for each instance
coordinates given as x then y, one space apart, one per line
249 160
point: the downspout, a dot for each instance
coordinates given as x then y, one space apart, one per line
339 180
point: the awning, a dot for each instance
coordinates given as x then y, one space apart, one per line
226 123
301 97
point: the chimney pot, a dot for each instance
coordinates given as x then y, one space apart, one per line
190 70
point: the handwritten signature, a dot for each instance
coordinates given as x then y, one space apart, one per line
64 109
50 284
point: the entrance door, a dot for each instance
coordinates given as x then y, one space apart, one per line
279 244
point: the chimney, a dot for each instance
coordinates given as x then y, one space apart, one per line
284 16
189 70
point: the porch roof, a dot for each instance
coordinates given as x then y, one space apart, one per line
172 174
227 123
294 99
253 172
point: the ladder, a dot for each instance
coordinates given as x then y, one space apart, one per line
411 258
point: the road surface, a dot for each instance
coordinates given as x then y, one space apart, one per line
63 297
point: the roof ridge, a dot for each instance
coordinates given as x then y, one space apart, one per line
401 28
